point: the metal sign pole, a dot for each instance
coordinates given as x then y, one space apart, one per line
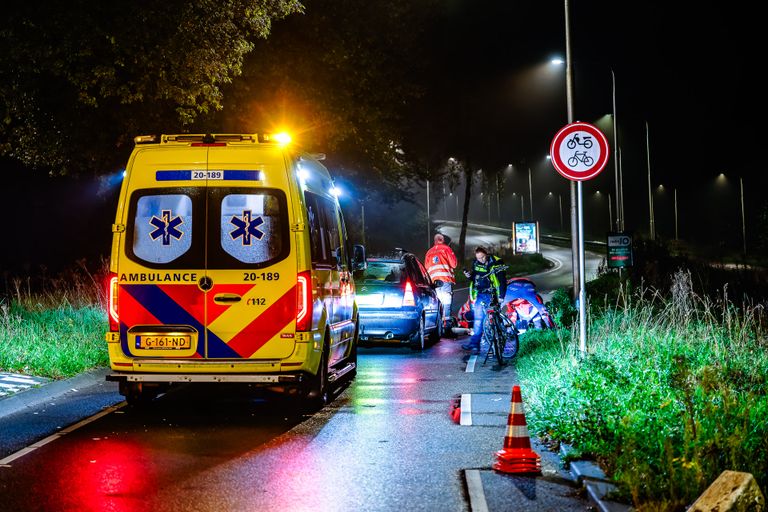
582 291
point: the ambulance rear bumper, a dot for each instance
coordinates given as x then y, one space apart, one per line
203 377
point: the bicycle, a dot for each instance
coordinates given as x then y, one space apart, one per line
498 328
499 331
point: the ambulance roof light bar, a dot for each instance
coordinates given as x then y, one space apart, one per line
281 139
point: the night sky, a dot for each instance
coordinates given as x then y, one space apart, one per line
689 69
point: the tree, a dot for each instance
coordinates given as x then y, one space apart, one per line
344 79
79 79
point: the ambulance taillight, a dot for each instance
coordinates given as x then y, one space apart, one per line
304 301
112 289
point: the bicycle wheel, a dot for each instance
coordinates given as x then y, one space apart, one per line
513 343
498 341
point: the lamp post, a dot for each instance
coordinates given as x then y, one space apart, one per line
743 218
677 237
530 193
652 230
618 176
429 228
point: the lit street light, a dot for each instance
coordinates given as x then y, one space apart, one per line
721 178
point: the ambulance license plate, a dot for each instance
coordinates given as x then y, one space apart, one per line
163 342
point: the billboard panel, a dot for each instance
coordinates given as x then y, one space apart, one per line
526 237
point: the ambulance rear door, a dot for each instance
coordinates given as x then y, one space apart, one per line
251 301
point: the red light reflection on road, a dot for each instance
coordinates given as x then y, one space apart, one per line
105 475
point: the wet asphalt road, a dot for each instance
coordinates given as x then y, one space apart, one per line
385 443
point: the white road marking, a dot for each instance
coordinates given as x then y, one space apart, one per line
471 364
466 410
34 446
477 501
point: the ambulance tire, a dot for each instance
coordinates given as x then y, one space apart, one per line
419 341
318 392
136 394
353 352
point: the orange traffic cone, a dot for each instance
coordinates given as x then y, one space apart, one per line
516 456
455 410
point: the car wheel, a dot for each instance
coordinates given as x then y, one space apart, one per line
437 333
420 339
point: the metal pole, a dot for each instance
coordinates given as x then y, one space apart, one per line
676 232
619 223
743 218
569 101
429 228
445 201
530 192
610 214
522 208
560 200
650 194
582 287
362 216
498 198
621 194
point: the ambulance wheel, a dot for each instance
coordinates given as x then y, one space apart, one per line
136 394
420 339
318 392
353 352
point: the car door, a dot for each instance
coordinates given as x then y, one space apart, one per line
434 301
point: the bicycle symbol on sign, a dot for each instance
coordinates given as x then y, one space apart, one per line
576 141
580 156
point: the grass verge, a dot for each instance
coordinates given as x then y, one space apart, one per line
53 327
55 342
673 392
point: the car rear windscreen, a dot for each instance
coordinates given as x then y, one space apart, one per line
383 271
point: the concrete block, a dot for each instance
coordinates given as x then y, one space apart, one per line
597 491
732 491
584 469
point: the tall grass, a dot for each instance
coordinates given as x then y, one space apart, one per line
53 327
672 392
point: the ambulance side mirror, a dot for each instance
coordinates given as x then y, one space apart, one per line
359 261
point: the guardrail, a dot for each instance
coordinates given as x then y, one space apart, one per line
555 239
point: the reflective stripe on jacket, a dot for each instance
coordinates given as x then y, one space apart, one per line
482 280
440 262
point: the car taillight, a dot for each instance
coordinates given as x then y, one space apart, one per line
304 301
112 289
408 299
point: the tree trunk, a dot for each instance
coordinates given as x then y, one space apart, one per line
467 195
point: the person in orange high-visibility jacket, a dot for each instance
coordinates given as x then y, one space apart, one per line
440 263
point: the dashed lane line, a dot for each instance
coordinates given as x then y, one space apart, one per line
477 502
5 463
466 409
471 364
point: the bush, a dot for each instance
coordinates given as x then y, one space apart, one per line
673 392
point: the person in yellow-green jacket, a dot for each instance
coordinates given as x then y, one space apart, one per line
486 276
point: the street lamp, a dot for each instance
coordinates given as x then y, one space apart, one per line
722 178
652 228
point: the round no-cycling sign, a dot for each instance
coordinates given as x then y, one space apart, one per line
579 151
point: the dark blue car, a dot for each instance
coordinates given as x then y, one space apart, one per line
397 302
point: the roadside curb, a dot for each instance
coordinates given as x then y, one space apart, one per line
590 476
35 396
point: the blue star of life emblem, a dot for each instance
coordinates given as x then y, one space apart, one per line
166 227
246 227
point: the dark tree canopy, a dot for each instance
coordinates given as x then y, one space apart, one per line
78 79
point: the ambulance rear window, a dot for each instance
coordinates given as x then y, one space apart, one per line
251 229
162 227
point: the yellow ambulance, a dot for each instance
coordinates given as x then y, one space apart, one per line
230 263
